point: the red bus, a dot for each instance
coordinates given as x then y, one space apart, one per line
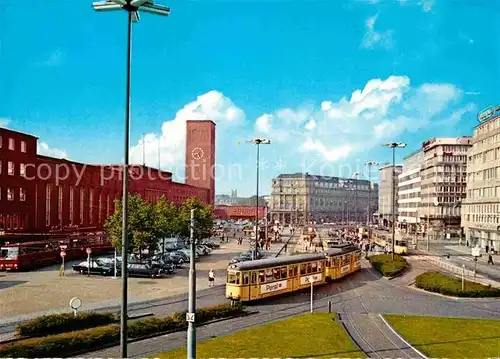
30 255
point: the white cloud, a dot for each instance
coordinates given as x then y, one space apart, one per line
4 122
427 5
44 149
372 37
212 105
54 59
382 110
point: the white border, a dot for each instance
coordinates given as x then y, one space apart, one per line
400 337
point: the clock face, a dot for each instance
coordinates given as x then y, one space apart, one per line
197 153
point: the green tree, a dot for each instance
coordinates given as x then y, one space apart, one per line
203 218
141 225
166 218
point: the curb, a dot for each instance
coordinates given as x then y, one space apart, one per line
339 319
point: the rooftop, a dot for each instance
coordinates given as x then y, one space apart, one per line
317 177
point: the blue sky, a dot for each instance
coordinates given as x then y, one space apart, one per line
326 81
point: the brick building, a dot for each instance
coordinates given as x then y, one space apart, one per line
238 212
42 196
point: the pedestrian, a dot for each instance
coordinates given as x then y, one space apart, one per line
490 259
211 278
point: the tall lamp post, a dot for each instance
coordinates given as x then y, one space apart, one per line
356 178
393 146
257 142
132 7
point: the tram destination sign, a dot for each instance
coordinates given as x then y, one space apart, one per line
310 279
273 287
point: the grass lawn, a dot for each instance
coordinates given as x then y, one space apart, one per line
309 336
449 337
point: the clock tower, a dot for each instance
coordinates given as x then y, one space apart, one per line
200 155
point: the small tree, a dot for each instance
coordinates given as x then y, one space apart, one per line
203 218
166 218
141 230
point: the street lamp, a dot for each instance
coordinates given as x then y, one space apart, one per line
132 7
394 145
257 142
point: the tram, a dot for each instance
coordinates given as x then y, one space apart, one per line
400 245
254 280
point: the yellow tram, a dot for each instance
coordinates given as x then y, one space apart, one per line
400 245
253 280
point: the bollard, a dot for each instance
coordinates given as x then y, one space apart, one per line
329 306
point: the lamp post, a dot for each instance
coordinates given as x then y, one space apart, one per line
257 142
132 7
393 146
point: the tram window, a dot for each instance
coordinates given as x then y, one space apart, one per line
254 278
276 273
320 266
336 262
303 269
269 275
245 278
262 277
290 271
308 267
314 267
295 271
283 272
233 278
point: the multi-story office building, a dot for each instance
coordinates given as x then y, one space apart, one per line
443 183
299 198
388 177
481 208
409 192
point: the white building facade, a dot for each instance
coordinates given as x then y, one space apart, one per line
481 208
409 192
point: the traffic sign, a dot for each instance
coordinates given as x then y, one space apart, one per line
88 250
63 254
190 317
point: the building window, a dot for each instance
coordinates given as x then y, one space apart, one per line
0 167
59 204
0 141
10 194
11 144
10 168
71 200
48 191
91 205
82 194
23 146
22 169
0 199
22 194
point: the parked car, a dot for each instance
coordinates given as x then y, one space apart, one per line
143 270
164 266
96 267
181 254
177 259
211 244
203 249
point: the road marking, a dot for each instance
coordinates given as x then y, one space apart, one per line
402 339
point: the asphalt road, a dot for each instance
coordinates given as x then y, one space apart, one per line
462 255
362 293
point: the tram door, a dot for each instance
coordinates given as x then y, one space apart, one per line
293 279
253 288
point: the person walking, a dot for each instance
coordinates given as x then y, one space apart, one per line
211 278
490 259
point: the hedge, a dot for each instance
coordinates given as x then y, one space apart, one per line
77 342
62 323
441 283
384 264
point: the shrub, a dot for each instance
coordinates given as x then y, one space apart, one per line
384 264
62 323
441 283
75 342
